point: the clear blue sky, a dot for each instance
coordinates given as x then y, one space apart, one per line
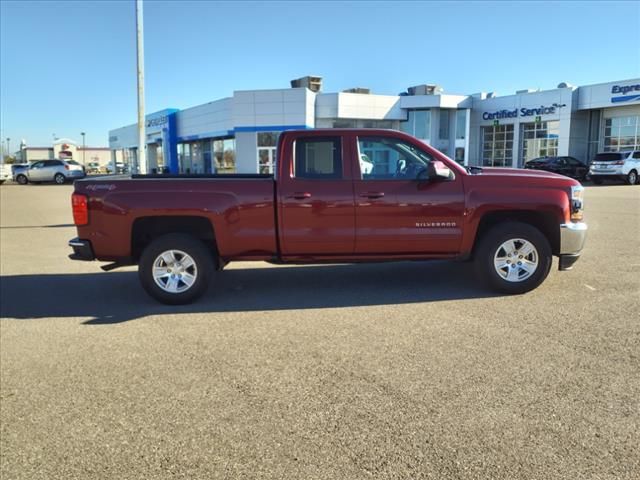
68 67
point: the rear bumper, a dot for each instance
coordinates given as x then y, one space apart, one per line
82 250
572 238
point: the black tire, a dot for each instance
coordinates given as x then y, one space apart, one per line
22 179
632 177
204 266
597 181
59 178
489 246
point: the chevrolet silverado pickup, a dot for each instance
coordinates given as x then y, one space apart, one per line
337 195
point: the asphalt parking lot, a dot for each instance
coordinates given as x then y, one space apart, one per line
405 370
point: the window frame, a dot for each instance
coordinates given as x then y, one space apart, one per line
338 174
373 138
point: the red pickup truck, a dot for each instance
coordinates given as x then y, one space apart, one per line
338 195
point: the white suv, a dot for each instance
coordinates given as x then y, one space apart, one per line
616 166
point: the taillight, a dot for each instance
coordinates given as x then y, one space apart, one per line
619 162
80 209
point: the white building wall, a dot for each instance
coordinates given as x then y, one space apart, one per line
271 108
124 137
212 119
246 152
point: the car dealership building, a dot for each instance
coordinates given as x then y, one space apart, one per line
239 134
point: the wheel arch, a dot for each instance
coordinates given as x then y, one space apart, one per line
145 230
547 224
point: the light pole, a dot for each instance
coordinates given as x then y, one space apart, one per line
84 148
8 147
142 158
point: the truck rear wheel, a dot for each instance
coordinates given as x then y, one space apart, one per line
175 269
513 258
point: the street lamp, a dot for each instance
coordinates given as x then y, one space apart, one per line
84 148
8 147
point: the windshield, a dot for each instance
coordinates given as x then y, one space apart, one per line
609 157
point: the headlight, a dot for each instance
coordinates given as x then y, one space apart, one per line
577 202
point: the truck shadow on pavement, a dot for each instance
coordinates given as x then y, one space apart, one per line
116 297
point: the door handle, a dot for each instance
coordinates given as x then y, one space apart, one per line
372 194
300 195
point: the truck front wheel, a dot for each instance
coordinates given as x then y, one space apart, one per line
175 269
513 257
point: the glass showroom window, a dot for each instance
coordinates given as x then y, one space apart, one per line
363 124
497 146
224 154
184 157
344 124
461 124
267 143
622 133
418 124
443 131
539 139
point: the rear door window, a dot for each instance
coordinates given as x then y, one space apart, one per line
318 158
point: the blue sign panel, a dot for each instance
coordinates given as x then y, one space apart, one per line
624 89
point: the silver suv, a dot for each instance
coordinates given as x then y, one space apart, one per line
58 171
616 166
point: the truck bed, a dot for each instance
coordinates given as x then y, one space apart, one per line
239 207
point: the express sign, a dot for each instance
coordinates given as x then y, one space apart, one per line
624 90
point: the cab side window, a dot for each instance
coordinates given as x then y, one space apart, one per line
387 158
38 165
318 158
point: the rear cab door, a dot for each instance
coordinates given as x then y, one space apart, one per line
316 211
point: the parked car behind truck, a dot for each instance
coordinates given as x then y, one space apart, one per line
58 171
620 166
568 166
410 203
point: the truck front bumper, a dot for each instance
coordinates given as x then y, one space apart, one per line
572 238
81 250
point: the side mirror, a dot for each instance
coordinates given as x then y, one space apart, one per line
435 171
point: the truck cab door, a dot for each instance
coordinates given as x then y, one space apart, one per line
315 196
398 211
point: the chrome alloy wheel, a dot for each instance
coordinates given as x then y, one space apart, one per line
516 260
174 271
